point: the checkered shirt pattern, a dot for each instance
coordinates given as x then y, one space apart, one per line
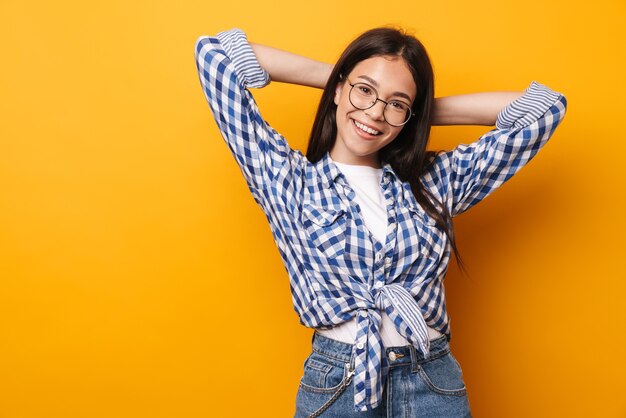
337 269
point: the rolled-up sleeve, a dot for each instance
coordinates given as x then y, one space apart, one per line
469 173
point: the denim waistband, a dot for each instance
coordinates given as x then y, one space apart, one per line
396 356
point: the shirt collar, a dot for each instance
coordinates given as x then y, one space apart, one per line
388 171
329 171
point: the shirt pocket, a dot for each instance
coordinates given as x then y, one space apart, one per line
325 229
430 236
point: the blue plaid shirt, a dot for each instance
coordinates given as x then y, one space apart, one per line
337 269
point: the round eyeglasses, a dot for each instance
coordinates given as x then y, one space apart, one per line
363 96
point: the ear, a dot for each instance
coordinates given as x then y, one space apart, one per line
338 90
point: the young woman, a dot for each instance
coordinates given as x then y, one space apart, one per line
363 222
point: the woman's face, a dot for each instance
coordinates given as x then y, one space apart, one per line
391 78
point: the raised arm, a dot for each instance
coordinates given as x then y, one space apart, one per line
469 173
227 67
472 109
287 67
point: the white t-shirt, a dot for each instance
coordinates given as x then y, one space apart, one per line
365 181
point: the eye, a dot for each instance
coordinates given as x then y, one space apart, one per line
364 89
399 106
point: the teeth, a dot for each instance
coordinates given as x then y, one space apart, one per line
366 129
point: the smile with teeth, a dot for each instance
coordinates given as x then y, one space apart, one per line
365 128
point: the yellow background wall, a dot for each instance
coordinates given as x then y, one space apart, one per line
139 278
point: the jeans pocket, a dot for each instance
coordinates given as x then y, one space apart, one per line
323 374
443 375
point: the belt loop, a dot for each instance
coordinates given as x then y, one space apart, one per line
414 358
352 358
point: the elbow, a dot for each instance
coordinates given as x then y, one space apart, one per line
198 46
560 108
563 101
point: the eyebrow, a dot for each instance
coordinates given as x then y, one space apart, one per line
375 84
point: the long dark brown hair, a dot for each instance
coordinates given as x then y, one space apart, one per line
407 153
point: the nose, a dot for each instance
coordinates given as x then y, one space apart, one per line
376 112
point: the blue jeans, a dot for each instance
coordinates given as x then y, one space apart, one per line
415 387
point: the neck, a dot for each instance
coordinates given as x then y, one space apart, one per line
368 161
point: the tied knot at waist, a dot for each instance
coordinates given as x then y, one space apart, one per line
370 365
380 295
406 313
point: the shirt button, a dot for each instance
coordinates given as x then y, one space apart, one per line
360 346
378 285
387 262
379 256
363 314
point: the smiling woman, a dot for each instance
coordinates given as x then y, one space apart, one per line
363 118
363 221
